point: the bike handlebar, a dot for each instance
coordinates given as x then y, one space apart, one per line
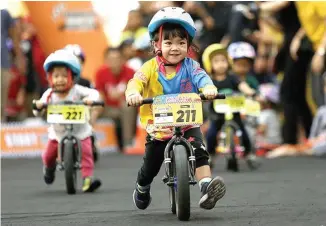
68 102
202 96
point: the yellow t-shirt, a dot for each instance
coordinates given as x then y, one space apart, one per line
151 81
312 17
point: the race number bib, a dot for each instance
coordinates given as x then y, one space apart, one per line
177 110
231 103
67 114
252 108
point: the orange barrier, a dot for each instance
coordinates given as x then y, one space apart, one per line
59 23
139 147
18 140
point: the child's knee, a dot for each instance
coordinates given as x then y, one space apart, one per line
201 153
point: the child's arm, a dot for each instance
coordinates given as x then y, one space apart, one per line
202 80
91 95
137 84
245 88
39 103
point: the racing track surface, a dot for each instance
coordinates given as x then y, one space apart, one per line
283 192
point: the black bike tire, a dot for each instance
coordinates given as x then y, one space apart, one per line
232 155
69 166
172 192
182 194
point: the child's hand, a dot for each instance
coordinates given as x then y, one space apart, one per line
134 100
87 101
209 93
38 104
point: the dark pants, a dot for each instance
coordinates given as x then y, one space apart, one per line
215 127
293 94
154 155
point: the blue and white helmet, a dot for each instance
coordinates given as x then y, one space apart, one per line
63 57
175 15
240 50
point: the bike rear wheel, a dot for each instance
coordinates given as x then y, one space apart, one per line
232 161
182 190
69 166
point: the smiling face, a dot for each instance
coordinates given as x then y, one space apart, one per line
174 44
174 49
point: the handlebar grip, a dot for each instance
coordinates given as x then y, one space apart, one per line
145 101
148 101
98 103
218 96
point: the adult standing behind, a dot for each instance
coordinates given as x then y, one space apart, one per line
111 81
9 30
294 59
312 16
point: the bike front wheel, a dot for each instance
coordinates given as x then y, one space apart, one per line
182 190
69 166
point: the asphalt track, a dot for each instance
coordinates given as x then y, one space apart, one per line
289 191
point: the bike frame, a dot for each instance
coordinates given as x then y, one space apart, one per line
178 139
69 136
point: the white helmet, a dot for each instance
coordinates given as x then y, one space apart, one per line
239 50
175 15
63 57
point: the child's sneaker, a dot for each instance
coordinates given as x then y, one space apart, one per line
212 192
142 197
253 161
49 174
90 184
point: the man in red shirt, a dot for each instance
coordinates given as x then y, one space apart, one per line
111 81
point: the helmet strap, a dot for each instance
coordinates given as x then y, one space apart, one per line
159 53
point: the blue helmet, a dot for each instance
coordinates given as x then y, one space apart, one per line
63 57
174 15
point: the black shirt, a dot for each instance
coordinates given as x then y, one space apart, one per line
230 82
84 82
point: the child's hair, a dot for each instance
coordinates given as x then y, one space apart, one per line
171 30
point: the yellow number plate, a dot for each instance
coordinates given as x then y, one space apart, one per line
231 103
177 110
66 114
252 108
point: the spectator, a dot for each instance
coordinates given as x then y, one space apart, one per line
36 77
9 30
293 87
142 48
134 27
16 96
261 72
111 81
268 134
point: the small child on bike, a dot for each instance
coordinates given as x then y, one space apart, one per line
243 55
63 70
172 31
217 63
80 54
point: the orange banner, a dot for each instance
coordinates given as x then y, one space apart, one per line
59 23
17 140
